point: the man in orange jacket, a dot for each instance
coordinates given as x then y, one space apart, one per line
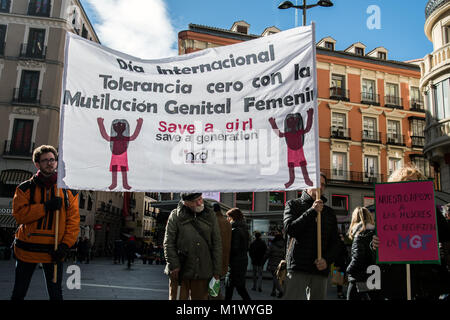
35 205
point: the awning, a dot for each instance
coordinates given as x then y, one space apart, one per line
14 176
7 221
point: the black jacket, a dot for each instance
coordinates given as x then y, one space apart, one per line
300 224
238 253
362 257
257 252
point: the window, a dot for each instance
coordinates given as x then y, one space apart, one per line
382 55
441 100
392 96
21 143
370 129
329 45
4 5
39 8
417 127
35 46
244 200
339 164
89 204
277 200
416 99
359 51
368 90
338 124
422 164
82 201
84 32
338 86
2 39
370 168
242 29
340 204
447 34
393 134
29 83
394 164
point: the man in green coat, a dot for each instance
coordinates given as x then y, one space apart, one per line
192 248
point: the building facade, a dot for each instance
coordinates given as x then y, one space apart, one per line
372 121
435 85
32 38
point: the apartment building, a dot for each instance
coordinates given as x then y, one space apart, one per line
32 38
372 121
435 85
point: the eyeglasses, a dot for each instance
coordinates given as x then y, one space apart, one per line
49 161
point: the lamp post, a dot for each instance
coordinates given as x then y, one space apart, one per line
304 7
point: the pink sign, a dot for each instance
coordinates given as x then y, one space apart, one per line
406 222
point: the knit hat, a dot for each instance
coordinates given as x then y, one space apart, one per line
190 196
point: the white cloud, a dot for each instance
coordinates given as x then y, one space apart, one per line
140 28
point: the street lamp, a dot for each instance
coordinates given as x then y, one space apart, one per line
304 7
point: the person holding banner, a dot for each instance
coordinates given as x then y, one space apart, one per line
428 281
36 205
305 271
192 249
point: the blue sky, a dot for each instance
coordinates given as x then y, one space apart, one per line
149 28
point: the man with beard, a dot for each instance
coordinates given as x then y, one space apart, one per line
35 205
192 248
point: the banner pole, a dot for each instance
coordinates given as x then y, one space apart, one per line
55 267
319 229
408 281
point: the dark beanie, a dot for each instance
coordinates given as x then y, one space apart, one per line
190 196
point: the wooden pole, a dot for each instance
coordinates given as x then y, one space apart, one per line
319 229
408 281
55 267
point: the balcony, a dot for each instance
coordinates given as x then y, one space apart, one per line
417 105
417 141
340 133
337 93
437 135
395 139
32 51
22 97
23 151
337 176
393 102
370 98
371 136
39 9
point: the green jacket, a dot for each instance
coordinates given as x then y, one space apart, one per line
204 258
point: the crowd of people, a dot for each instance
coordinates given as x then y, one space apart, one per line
196 251
204 247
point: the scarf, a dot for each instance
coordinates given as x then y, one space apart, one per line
47 181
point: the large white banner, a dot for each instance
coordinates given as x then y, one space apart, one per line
231 119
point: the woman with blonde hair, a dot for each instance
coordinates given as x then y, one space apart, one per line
361 231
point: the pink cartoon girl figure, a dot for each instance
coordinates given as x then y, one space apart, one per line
294 133
119 144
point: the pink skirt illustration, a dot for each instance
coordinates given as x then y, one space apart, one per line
119 160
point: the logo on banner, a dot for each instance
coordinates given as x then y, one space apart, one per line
196 157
